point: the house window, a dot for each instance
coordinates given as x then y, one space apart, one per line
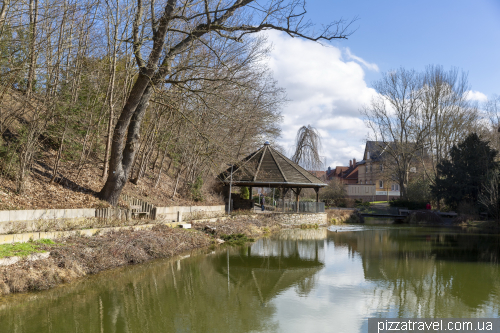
380 184
395 187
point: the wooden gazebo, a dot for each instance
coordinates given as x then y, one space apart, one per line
267 167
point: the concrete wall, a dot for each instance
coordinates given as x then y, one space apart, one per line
29 220
45 214
22 221
301 218
188 212
25 237
56 214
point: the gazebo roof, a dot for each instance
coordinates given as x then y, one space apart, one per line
267 167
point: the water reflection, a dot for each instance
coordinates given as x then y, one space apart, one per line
297 280
428 272
272 265
226 291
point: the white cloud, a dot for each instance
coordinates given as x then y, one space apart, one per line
476 96
326 91
368 65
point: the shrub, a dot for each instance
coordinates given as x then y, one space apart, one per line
236 239
419 190
423 216
244 192
196 189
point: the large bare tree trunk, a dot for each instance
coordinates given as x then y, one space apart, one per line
122 156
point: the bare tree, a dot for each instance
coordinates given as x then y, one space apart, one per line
76 70
117 18
180 27
3 13
492 108
334 193
394 116
490 195
307 148
449 113
33 9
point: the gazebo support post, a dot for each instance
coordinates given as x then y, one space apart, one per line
282 197
317 197
283 194
250 190
297 199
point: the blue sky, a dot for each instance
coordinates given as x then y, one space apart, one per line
328 84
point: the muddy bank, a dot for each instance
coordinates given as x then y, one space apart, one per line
75 257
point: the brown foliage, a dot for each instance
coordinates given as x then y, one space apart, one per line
79 256
250 227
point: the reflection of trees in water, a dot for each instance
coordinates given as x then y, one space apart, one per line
188 296
193 294
427 273
304 249
305 286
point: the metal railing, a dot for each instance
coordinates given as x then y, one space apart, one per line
304 207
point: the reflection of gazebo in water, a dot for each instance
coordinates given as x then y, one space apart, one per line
267 167
271 275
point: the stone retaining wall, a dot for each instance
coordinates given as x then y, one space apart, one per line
301 218
185 213
26 237
289 219
45 214
12 221
22 221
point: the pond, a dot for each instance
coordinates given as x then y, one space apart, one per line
294 281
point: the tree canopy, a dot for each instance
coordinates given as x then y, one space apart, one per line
461 178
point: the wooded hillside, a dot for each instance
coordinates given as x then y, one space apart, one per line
152 97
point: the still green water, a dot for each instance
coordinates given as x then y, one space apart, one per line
295 281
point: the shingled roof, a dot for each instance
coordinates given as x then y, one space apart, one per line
269 168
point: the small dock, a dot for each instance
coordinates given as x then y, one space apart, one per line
383 216
405 212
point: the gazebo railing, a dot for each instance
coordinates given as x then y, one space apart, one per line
304 207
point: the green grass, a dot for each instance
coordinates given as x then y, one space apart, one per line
23 249
376 202
236 239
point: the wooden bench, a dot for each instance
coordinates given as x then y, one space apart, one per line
137 210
